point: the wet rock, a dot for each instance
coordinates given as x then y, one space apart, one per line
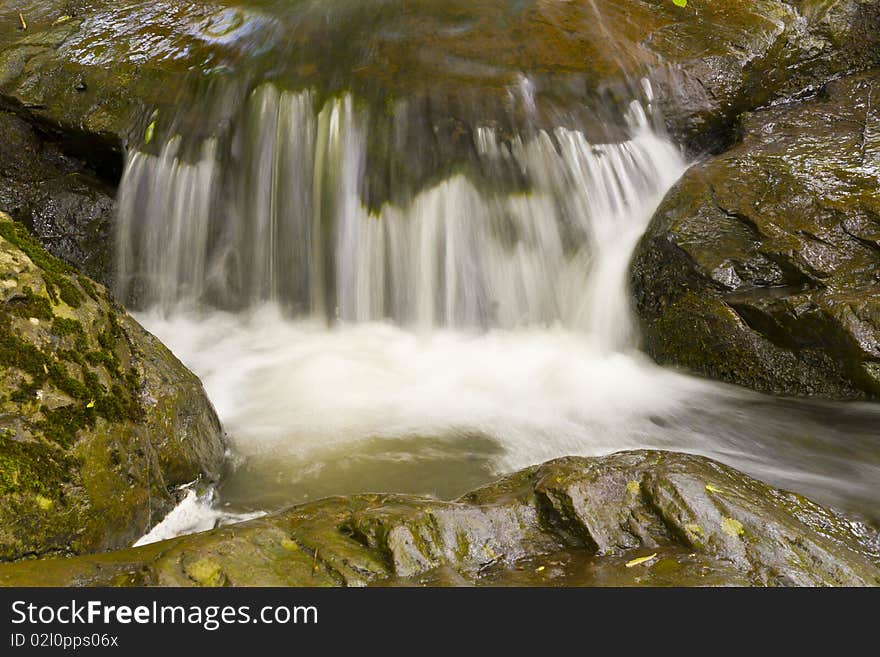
100 76
64 204
458 61
762 265
630 518
99 423
726 58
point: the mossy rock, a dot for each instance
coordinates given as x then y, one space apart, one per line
98 421
762 265
632 518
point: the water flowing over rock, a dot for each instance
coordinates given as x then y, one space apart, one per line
100 76
538 231
92 66
98 421
762 265
632 518
398 233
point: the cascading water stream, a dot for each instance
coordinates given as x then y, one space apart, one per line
291 227
476 324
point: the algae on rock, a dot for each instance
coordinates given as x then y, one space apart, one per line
98 421
631 518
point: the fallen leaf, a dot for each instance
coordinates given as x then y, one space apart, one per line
713 489
680 3
640 560
61 19
91 404
148 135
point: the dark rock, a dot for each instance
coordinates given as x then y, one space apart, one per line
762 265
64 204
630 518
732 57
99 423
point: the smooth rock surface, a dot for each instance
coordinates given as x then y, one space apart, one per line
631 518
762 265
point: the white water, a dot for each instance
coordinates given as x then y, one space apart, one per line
194 513
298 390
291 227
433 344
313 411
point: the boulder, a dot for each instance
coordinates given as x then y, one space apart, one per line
762 265
99 423
632 518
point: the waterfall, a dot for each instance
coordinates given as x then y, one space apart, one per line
274 212
368 313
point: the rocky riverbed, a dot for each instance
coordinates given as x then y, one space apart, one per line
760 268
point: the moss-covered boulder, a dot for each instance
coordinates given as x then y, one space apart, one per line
762 265
98 421
644 517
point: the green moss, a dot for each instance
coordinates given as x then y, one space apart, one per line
109 336
63 327
29 305
15 352
33 467
54 271
90 398
62 424
73 356
106 358
88 287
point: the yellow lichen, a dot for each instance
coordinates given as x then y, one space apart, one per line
206 572
44 502
732 527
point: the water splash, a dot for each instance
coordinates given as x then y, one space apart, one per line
468 326
290 227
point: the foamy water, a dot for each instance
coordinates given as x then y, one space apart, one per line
467 330
313 410
297 389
